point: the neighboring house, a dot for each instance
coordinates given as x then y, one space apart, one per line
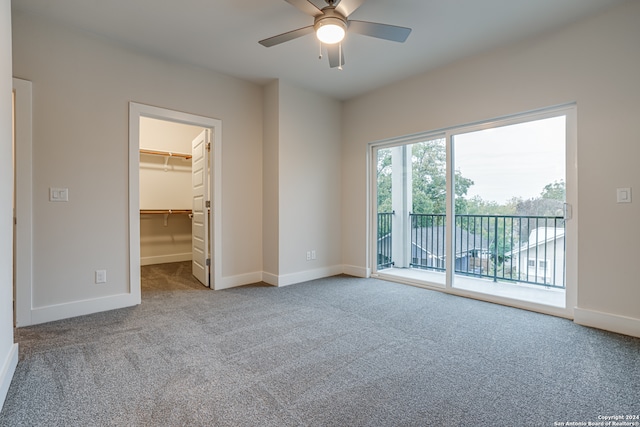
541 258
428 250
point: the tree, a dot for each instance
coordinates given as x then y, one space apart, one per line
478 206
429 164
554 191
549 203
384 180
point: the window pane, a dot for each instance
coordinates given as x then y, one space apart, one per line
509 199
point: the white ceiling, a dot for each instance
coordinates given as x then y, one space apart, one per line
223 34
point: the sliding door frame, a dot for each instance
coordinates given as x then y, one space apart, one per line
571 177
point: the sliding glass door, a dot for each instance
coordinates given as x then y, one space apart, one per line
479 208
509 231
411 207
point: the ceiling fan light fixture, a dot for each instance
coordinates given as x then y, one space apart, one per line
330 30
330 25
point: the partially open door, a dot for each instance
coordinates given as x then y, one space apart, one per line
200 224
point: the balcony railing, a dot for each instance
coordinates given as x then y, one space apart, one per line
384 240
524 249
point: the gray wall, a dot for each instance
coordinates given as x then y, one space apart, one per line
82 88
302 191
595 63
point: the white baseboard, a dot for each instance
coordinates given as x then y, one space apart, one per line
275 280
269 278
7 370
305 276
608 322
164 259
353 270
239 280
80 308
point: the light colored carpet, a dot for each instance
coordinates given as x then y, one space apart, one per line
340 351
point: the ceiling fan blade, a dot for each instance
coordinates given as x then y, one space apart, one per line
347 7
333 52
285 37
305 6
381 31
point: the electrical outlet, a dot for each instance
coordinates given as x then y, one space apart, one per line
58 194
313 254
101 276
623 195
308 255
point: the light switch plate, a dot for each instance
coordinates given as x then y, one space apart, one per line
101 276
623 195
58 194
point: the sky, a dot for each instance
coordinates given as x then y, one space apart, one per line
512 161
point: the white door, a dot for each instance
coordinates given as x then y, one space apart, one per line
200 191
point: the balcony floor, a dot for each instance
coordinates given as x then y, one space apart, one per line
518 291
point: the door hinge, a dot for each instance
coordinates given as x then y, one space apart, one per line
208 262
208 146
207 204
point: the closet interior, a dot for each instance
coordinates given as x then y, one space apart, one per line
166 195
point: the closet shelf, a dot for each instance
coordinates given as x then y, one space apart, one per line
165 153
164 211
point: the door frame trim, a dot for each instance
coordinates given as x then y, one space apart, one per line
23 255
137 110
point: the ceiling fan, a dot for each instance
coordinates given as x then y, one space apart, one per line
331 24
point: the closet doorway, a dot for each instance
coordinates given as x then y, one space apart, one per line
174 193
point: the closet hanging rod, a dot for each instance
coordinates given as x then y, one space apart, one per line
164 211
165 153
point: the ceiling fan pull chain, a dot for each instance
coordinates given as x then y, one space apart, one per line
340 56
320 54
